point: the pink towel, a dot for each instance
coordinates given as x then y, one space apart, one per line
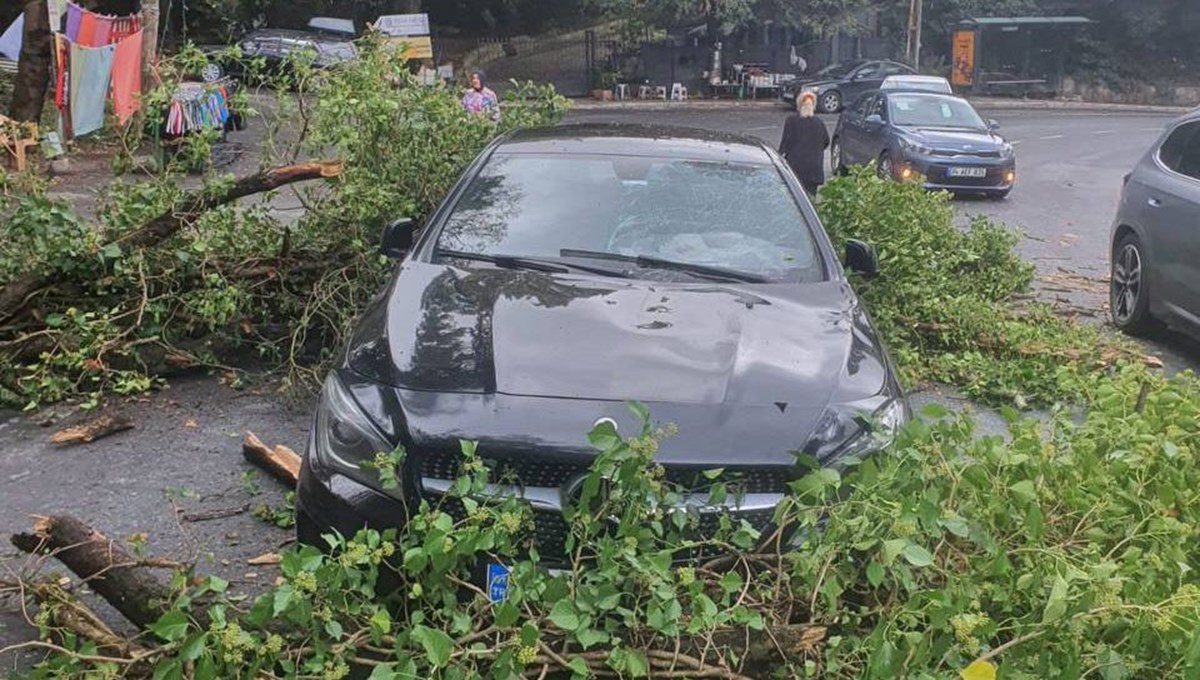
102 32
127 77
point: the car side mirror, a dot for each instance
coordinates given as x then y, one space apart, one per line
993 124
875 119
397 238
862 258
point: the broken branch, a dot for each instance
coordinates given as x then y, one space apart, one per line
282 462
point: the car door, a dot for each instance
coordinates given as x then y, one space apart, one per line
874 135
1171 217
865 78
852 130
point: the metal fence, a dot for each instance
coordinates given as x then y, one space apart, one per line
574 63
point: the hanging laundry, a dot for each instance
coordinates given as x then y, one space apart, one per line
74 19
90 69
10 42
197 106
123 27
87 30
127 77
62 84
101 34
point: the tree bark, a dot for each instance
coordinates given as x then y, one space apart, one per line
15 294
33 69
108 569
150 19
282 462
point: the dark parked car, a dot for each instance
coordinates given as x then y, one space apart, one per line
840 83
328 42
573 269
1155 242
939 137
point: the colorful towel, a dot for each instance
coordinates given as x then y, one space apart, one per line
10 42
90 69
74 18
127 77
101 34
87 30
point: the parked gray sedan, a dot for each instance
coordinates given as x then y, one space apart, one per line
1156 236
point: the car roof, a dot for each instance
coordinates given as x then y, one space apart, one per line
913 77
920 93
613 139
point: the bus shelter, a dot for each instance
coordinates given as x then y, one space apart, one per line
1012 55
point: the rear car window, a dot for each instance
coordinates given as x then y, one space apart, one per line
1181 151
732 215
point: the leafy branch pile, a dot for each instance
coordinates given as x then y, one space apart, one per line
953 304
1065 550
168 277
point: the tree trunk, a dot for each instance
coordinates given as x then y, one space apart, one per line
33 71
150 18
120 578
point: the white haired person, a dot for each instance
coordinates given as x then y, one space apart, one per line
804 142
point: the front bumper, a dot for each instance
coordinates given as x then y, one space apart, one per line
1000 173
327 502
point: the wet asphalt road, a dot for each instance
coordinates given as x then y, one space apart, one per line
185 449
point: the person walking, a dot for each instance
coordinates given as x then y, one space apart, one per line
804 142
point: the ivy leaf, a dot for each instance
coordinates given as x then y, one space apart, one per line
1024 490
979 670
636 664
436 644
191 650
578 667
171 626
917 555
283 598
565 616
891 549
1056 606
874 574
169 669
384 671
590 637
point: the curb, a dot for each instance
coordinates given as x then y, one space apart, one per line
987 104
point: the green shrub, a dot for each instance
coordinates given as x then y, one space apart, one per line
945 298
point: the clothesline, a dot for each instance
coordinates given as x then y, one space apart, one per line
96 57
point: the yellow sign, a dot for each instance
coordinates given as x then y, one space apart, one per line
963 72
416 47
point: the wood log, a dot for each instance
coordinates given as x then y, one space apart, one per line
94 429
282 462
16 293
110 571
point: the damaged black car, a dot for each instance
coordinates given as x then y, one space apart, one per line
573 270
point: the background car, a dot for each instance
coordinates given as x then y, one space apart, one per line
328 41
1155 242
939 137
915 83
835 85
578 268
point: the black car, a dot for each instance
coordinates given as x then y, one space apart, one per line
840 83
938 137
574 269
328 42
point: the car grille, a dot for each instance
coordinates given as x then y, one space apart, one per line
550 529
968 154
551 474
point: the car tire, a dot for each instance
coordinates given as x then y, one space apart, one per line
836 163
884 167
212 71
1129 296
830 102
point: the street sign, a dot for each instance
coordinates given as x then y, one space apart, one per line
403 25
416 48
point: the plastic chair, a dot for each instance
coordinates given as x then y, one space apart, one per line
660 92
622 92
644 91
679 93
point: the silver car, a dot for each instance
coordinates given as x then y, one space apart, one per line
1156 236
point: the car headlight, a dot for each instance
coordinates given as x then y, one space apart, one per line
344 438
914 147
1006 150
855 430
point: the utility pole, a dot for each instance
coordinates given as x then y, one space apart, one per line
915 21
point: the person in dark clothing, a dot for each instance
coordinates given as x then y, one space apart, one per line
804 142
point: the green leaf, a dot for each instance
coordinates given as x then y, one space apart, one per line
955 525
891 549
437 644
381 621
334 629
565 615
578 667
935 411
169 669
191 650
283 598
1024 490
505 614
1056 606
636 664
874 574
384 671
171 626
639 410
979 670
917 555
590 637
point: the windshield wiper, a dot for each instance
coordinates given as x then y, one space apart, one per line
651 262
505 261
532 263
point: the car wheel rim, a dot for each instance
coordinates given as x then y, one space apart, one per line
211 73
1126 283
831 102
885 167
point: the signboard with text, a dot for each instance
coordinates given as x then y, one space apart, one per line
403 25
963 72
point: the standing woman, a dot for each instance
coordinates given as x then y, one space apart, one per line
804 142
479 99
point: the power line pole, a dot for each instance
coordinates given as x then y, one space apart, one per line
915 21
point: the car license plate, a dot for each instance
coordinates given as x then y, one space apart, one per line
497 582
967 172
